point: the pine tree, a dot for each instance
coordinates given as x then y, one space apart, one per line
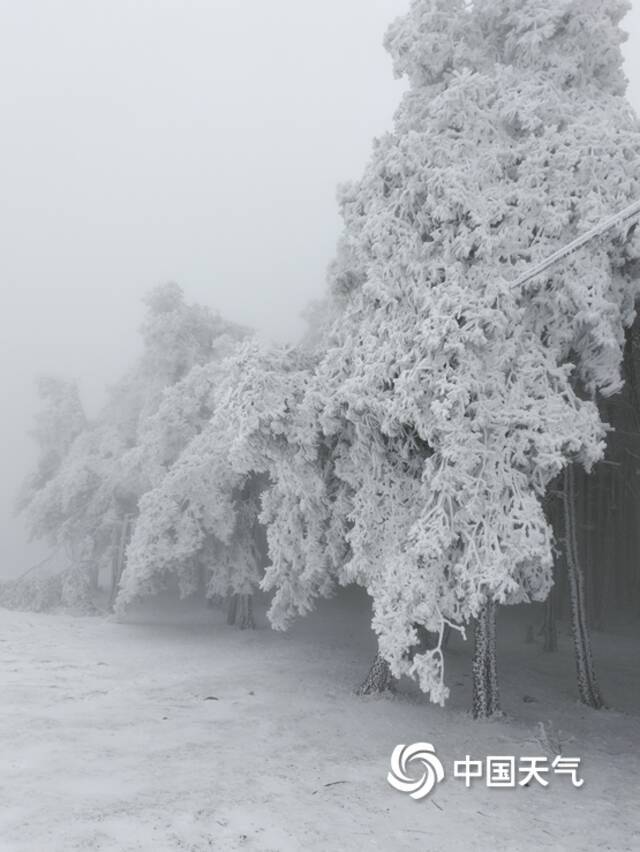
203 514
58 424
95 488
456 398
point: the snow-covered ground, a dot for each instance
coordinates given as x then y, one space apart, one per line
176 732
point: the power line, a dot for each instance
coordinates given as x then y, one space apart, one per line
628 213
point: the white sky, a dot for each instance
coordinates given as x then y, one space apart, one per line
199 141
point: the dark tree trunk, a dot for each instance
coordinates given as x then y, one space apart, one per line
379 678
246 613
600 540
550 626
587 684
614 542
486 695
232 610
584 521
203 585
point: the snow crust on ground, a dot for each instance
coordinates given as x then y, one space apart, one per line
172 731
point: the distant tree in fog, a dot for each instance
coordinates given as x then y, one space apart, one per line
100 477
58 423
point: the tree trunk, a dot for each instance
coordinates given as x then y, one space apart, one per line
232 610
486 695
203 584
246 613
550 626
118 563
587 684
379 678
94 571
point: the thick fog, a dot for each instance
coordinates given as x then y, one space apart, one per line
172 140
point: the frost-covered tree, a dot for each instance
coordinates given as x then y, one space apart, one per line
201 518
203 514
102 477
460 396
58 423
184 410
176 337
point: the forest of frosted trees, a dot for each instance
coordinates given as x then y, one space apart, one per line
447 440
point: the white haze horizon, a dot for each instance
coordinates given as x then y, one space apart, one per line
173 141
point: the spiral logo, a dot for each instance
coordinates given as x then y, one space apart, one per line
432 771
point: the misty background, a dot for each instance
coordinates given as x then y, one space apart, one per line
199 141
